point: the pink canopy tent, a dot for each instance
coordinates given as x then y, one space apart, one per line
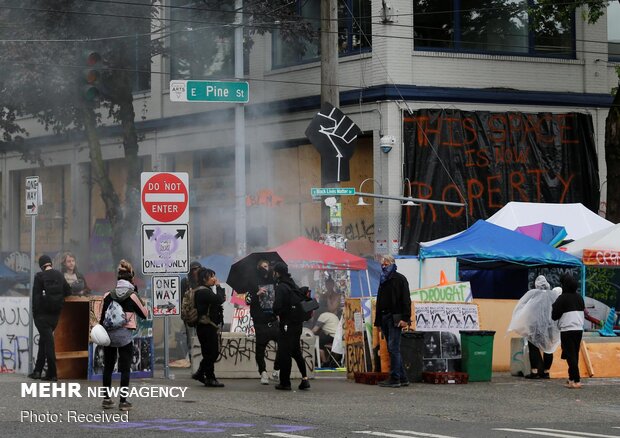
302 253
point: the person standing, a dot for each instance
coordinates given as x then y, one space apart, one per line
187 283
568 310
49 290
210 318
261 299
392 315
121 346
291 326
75 279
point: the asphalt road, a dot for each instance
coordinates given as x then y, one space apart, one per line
334 407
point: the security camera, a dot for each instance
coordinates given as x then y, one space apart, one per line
386 143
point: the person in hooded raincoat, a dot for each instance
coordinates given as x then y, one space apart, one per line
531 319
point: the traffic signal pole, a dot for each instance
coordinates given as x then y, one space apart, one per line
240 180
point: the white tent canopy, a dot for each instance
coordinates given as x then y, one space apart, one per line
607 238
578 221
575 218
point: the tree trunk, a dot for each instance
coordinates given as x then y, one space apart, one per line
131 225
111 201
612 158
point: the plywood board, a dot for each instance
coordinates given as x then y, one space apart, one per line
605 358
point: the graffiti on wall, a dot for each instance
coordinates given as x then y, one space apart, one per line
14 322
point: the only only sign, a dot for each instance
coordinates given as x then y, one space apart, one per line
165 249
165 197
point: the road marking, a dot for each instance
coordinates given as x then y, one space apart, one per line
410 434
578 433
430 435
285 435
557 433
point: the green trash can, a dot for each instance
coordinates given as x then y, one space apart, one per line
477 354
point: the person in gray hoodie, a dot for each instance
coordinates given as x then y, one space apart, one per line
568 310
121 346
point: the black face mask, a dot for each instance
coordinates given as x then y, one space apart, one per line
263 272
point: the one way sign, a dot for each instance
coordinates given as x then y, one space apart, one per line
165 249
33 197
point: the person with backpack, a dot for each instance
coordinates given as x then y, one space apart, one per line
208 302
188 283
288 309
120 308
49 290
260 299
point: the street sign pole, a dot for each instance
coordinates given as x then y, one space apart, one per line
31 325
240 180
33 200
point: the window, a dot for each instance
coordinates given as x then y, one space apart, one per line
613 30
201 45
354 32
354 28
483 26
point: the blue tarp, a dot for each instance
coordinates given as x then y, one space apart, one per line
359 277
485 245
219 263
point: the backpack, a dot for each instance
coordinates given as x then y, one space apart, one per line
52 294
114 316
302 305
189 313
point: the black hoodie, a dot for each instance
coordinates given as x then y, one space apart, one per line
282 306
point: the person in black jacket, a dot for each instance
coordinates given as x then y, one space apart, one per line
568 310
291 326
210 318
49 290
126 294
261 299
392 315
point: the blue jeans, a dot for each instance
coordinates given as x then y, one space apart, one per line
392 337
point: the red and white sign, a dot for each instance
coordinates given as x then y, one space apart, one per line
601 257
165 197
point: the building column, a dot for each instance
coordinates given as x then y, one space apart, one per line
10 209
388 172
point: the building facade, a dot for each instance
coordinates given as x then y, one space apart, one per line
397 58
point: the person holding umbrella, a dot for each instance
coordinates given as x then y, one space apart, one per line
291 327
261 298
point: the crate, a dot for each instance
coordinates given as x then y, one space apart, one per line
444 378
370 378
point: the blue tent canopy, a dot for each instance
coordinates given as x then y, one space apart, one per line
485 246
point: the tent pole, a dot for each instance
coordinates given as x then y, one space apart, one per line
368 282
583 281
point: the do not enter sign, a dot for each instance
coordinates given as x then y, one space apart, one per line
165 197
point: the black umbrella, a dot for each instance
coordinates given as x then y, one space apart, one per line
242 275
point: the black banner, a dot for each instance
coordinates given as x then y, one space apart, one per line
493 158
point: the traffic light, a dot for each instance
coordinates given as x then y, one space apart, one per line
92 76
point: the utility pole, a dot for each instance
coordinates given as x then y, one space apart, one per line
329 74
240 212
329 52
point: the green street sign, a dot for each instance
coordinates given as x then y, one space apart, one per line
209 91
332 191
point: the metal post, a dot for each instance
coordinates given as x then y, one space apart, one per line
240 212
166 350
32 264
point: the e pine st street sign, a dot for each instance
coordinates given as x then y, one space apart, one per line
209 91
